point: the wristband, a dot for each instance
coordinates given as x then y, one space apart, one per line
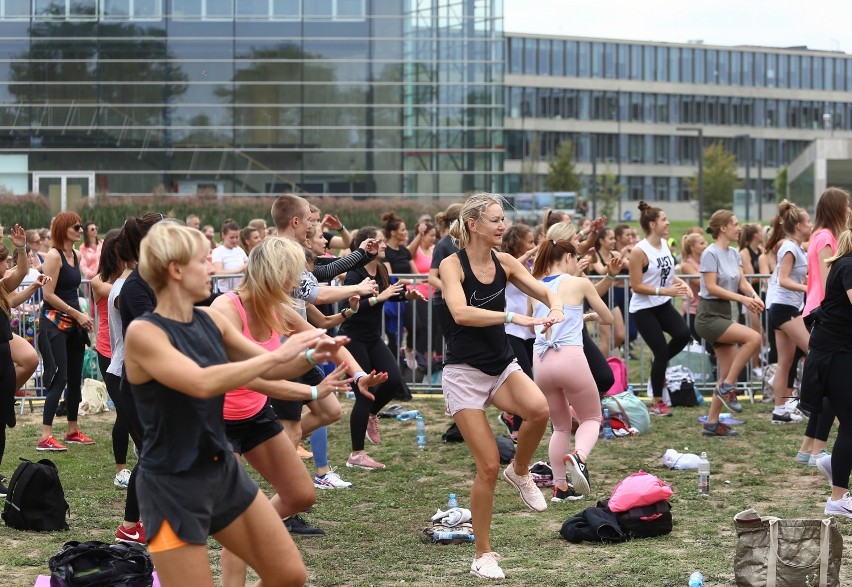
509 317
355 311
373 301
582 235
343 313
656 291
342 228
20 250
610 275
314 392
357 377
309 357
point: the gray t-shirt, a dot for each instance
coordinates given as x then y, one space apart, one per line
798 273
726 264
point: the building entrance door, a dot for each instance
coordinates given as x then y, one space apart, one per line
64 190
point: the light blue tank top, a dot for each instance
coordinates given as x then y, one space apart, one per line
569 332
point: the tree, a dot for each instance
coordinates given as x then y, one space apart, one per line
780 184
609 192
720 179
561 175
529 166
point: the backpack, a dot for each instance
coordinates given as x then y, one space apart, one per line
647 521
680 384
36 500
631 407
453 434
97 564
619 372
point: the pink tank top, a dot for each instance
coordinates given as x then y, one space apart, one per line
244 403
102 338
423 262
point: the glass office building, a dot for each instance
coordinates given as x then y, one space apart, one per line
621 102
369 97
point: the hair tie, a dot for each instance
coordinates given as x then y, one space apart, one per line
709 230
553 242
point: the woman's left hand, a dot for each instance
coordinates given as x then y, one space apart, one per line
369 380
18 236
414 294
41 280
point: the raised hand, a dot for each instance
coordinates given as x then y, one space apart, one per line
368 287
298 343
332 383
18 236
333 222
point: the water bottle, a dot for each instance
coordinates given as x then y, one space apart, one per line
350 394
421 432
452 536
409 415
607 427
703 475
696 579
452 502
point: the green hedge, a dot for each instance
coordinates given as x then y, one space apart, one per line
30 211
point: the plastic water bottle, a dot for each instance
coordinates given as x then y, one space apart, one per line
703 475
452 502
421 433
452 536
607 427
696 579
409 415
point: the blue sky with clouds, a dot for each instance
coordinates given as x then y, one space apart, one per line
819 24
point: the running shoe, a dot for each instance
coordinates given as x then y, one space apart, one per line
718 429
786 418
526 487
122 479
331 480
363 461
823 465
792 406
50 443
728 394
297 525
77 437
569 494
803 458
373 429
487 567
578 472
135 533
410 359
661 408
839 507
812 461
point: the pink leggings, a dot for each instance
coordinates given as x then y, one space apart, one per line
564 377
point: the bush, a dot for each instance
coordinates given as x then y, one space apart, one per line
30 211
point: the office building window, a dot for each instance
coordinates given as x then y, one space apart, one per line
202 9
806 72
584 59
840 73
723 67
699 62
571 58
828 73
583 105
686 65
648 108
65 10
661 188
816 74
634 188
544 57
648 69
712 76
623 61
748 65
662 72
558 58
530 51
736 68
610 70
674 64
597 60
795 72
759 69
516 55
636 62
14 10
132 10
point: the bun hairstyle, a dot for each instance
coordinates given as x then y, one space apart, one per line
228 226
391 223
362 235
719 220
472 209
513 238
784 223
444 219
647 215
550 252
832 211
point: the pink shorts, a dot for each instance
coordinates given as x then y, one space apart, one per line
468 388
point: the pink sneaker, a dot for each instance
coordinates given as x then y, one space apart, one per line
373 429
661 409
77 437
363 461
51 444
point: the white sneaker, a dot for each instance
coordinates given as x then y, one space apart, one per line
840 507
823 465
757 372
486 566
792 407
331 480
812 459
527 488
122 479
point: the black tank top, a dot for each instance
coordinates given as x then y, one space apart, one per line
484 347
67 283
182 432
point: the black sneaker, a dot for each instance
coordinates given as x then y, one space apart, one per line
786 418
298 526
578 472
569 494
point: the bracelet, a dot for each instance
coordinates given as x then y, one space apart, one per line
656 291
19 250
610 275
357 377
556 310
373 301
581 234
355 311
309 357
342 228
314 392
509 317
343 313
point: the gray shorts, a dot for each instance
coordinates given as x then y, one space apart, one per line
468 388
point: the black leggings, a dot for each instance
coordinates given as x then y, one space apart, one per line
836 385
652 323
62 354
375 355
601 372
819 425
119 430
7 389
125 408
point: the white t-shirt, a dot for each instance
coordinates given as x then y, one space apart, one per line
659 273
799 273
232 261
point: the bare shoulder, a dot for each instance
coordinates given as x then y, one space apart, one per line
218 317
226 307
509 263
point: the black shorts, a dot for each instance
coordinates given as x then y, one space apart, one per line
780 314
196 503
292 409
250 433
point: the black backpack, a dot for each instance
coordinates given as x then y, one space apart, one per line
648 521
36 500
97 564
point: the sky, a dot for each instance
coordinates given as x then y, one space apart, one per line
818 24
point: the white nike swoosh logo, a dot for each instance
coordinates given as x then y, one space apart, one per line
134 536
476 302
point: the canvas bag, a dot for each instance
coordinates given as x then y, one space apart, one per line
94 397
631 407
772 552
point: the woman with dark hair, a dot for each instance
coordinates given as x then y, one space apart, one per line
654 284
832 217
751 247
443 249
64 333
365 331
611 336
423 262
621 287
723 282
249 237
90 250
399 260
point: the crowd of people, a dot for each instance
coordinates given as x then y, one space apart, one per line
212 348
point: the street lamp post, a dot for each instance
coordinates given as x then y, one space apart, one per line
700 131
747 138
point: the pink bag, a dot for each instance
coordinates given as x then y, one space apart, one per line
638 490
619 371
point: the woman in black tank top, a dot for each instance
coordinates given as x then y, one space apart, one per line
177 361
480 367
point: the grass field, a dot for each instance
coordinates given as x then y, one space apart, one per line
372 529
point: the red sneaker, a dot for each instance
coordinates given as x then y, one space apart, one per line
135 534
78 437
661 409
50 443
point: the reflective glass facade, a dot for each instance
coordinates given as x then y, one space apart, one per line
257 96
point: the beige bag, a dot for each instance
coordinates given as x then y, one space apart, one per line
94 397
772 552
